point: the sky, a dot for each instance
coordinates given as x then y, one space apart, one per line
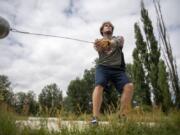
32 62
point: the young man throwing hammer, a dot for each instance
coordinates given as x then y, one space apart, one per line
110 67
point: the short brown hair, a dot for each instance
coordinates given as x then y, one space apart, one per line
103 24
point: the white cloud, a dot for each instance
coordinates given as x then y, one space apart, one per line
32 62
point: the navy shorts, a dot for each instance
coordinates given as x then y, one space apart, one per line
105 74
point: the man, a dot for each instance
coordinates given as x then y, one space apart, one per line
110 67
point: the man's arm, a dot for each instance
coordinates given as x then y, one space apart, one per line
121 40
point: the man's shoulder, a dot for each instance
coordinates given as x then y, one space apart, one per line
116 36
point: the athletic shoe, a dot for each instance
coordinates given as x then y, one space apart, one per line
94 121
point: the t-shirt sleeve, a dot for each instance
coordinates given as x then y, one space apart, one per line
117 41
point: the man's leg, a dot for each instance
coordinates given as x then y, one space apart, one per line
126 99
97 100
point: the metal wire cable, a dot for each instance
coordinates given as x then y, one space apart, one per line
47 35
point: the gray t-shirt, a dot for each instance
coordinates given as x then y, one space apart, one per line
112 57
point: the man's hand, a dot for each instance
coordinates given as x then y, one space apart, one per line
102 44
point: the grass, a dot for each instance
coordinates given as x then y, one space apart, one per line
165 125
7 123
115 129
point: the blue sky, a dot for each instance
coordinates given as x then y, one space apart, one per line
32 62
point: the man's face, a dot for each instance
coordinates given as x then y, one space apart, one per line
107 29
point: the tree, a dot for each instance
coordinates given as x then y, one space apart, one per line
167 53
154 54
19 100
78 96
25 103
51 99
6 92
163 83
33 104
140 63
129 71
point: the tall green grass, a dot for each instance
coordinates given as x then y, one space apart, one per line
128 128
7 121
164 125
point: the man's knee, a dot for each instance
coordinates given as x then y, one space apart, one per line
129 87
99 87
